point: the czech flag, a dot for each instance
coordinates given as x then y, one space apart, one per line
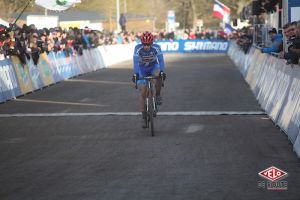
221 11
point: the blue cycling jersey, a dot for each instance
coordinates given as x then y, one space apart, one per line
143 59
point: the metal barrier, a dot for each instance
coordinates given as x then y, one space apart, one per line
8 81
276 87
17 79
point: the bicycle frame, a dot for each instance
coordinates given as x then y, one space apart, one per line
150 94
150 104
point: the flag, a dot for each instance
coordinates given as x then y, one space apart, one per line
57 5
221 11
228 29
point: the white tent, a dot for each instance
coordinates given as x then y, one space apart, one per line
58 5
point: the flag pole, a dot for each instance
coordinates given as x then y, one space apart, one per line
22 12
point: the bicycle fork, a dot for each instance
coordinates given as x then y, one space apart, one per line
151 100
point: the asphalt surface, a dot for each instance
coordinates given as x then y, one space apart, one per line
88 157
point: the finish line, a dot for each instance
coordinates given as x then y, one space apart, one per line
188 113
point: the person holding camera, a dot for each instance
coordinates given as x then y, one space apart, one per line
276 42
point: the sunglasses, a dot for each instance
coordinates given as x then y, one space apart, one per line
146 45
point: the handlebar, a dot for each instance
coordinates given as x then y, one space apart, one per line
150 78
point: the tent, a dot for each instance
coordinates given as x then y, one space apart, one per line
57 5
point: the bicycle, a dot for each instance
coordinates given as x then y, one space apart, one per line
150 104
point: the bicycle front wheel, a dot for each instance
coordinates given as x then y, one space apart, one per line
151 119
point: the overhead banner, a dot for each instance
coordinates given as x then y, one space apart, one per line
194 46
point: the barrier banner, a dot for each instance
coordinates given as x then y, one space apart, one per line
196 46
266 81
257 72
114 54
88 60
293 127
282 92
252 65
8 80
69 64
297 145
35 75
2 99
54 67
277 88
64 67
260 82
96 58
75 68
270 83
45 70
248 60
289 106
81 64
23 76
274 88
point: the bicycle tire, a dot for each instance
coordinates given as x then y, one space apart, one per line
151 119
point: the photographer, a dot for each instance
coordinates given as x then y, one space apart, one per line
276 42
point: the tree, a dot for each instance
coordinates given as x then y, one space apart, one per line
8 7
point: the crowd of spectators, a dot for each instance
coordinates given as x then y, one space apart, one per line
191 35
244 38
28 42
291 53
290 50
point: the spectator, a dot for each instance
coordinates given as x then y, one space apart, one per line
297 32
276 42
293 43
245 39
122 22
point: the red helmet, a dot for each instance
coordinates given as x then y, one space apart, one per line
147 38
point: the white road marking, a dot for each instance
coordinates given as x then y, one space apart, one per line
194 128
99 82
189 113
60 102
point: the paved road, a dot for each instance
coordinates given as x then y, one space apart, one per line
81 156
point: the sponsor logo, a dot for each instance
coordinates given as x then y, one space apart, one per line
205 46
8 81
169 46
274 177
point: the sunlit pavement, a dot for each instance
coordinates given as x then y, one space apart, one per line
211 141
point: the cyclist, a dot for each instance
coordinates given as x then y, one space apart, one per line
148 61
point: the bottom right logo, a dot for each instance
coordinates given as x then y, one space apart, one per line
274 179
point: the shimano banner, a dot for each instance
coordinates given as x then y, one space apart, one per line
197 46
